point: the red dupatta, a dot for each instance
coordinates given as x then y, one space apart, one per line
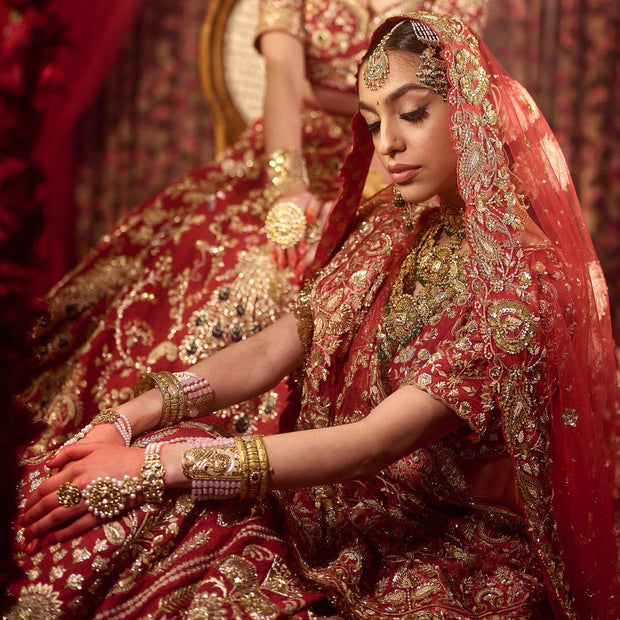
517 188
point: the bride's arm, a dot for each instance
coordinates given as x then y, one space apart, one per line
236 373
406 420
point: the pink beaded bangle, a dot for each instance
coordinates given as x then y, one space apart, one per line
199 394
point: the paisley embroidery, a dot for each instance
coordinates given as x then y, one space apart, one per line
474 80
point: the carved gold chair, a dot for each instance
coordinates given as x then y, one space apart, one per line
231 70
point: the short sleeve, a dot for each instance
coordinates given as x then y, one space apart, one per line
456 372
282 15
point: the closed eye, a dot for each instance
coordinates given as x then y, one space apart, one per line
417 115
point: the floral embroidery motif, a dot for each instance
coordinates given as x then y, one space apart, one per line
570 417
37 601
513 325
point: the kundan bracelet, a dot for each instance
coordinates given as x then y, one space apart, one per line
226 468
287 171
152 475
184 395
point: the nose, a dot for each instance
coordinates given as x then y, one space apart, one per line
389 139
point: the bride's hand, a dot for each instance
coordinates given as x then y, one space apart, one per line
294 255
46 520
101 433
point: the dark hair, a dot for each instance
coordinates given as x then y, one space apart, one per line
403 39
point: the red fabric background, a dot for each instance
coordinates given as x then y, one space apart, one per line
95 32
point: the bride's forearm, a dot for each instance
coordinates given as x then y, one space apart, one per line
255 365
236 373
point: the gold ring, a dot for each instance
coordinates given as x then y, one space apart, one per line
285 224
313 234
105 497
69 495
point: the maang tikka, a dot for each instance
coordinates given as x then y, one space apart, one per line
377 66
432 70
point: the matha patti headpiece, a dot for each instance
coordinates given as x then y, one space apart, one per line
432 70
377 66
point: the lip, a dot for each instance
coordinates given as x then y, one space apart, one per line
401 173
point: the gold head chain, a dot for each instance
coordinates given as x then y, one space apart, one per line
432 71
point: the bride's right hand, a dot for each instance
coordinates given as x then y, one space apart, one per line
311 207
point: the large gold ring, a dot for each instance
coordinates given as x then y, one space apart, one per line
285 224
69 495
105 497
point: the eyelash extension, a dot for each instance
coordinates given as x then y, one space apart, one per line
417 115
414 117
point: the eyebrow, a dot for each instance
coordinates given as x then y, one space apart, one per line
393 96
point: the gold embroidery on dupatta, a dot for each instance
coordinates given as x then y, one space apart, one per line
497 265
337 301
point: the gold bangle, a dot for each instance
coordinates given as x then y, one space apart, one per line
265 470
287 170
254 475
173 396
243 466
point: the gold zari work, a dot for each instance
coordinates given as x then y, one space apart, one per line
513 325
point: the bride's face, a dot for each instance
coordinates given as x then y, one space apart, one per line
410 126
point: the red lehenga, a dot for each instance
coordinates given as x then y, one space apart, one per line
523 355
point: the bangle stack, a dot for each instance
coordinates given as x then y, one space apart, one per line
226 468
287 170
152 475
184 395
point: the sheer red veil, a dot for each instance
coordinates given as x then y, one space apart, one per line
510 165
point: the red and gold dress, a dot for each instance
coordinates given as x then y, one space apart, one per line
518 345
189 271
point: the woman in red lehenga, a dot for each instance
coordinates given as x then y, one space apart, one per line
190 271
454 448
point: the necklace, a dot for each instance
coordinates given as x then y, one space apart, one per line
438 269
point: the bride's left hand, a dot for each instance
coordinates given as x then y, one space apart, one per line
45 520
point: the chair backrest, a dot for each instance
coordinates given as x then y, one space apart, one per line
231 70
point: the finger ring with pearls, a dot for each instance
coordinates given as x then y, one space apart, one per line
106 497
